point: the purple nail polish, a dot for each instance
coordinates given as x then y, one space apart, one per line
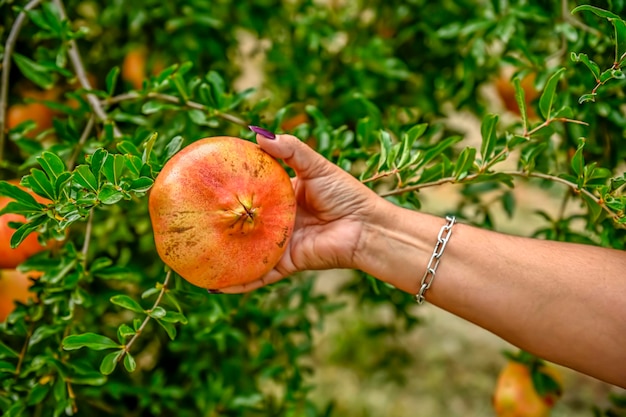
265 133
214 291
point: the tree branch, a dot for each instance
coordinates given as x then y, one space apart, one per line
148 317
521 174
6 69
81 74
175 100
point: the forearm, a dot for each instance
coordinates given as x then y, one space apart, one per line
561 301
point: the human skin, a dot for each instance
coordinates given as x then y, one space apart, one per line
563 302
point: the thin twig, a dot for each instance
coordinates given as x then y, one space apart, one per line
81 74
522 174
88 229
6 69
148 317
20 359
175 100
83 138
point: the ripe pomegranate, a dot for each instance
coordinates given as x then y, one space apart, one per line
506 91
9 257
515 394
14 286
222 212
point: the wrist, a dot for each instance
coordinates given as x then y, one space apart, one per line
396 244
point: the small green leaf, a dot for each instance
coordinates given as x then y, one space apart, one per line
37 73
170 329
114 168
125 331
596 10
149 144
520 97
385 149
127 303
489 136
141 185
91 341
129 363
96 162
111 80
546 101
51 164
173 146
16 193
464 163
218 88
108 195
6 351
577 163
26 229
108 364
40 184
84 176
128 148
593 67
158 312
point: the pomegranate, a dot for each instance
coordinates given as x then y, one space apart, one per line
222 212
9 257
516 396
14 286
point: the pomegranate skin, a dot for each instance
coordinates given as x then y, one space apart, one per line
222 212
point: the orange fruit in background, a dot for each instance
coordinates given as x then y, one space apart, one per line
222 212
14 286
506 91
37 112
137 65
515 394
9 257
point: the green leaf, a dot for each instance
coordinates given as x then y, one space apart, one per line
508 203
520 97
464 163
37 73
173 146
595 210
124 332
546 101
51 164
127 303
108 364
218 88
385 148
129 363
16 193
84 176
438 149
593 67
489 136
26 229
96 162
91 341
111 80
108 195
40 184
596 10
128 148
577 163
170 329
6 351
141 185
145 158
114 168
416 132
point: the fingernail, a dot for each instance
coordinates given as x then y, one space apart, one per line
265 133
214 292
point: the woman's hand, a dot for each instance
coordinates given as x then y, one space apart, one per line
332 209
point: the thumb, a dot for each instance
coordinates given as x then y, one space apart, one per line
298 155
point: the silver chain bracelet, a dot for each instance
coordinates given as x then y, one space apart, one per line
431 270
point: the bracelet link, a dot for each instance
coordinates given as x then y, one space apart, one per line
431 270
